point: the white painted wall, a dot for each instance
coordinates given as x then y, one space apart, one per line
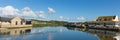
116 19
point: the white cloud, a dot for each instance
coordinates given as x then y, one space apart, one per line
72 19
51 10
61 17
41 14
28 12
67 18
80 18
25 12
1 9
9 10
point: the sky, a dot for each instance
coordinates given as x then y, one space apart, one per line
62 10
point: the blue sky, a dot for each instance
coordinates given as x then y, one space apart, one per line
67 10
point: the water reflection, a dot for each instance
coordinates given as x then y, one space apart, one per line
50 36
47 33
59 33
16 31
13 34
101 34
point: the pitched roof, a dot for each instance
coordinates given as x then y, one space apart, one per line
5 19
105 18
8 19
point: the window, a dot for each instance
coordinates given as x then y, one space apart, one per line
16 23
105 19
21 22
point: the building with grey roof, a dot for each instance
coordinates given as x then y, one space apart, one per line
13 22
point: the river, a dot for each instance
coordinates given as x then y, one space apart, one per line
61 33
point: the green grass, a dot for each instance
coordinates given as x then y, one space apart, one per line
37 23
41 25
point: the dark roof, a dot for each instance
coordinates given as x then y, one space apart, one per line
5 19
8 19
105 18
23 20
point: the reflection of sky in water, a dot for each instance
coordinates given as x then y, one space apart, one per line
51 33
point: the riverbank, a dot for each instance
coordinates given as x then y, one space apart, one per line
98 28
41 23
85 25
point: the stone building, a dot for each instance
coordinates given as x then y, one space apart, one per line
13 22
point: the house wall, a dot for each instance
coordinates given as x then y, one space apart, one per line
16 21
116 19
5 24
114 22
103 24
117 24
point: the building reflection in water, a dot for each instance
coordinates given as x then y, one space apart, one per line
12 34
101 34
16 31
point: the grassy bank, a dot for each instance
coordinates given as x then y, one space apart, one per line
41 23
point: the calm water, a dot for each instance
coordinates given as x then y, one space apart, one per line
61 33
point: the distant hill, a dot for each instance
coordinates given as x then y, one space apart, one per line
48 23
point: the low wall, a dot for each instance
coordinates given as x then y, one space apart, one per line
15 26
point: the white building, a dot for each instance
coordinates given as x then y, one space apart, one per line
105 21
